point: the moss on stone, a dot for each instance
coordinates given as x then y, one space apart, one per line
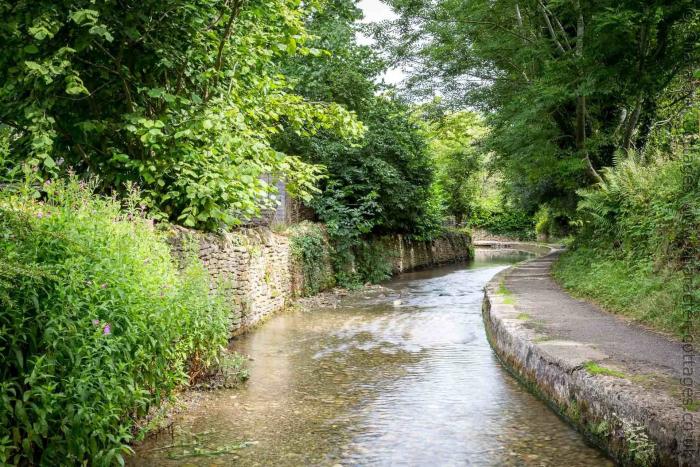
594 369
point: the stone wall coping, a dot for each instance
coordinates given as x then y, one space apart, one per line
609 411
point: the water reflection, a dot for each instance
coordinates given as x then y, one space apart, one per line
402 376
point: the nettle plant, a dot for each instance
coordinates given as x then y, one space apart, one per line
181 97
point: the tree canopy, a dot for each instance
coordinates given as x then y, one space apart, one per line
566 85
381 184
180 97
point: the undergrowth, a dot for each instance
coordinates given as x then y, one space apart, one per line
359 261
624 286
638 252
97 324
312 254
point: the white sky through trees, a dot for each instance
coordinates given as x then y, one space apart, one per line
375 11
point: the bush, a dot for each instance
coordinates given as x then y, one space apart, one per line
551 224
348 261
358 260
506 221
198 99
97 325
311 252
638 251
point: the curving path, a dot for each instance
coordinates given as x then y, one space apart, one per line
622 344
625 386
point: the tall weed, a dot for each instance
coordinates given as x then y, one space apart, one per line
96 325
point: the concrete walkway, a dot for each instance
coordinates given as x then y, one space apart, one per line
623 345
631 391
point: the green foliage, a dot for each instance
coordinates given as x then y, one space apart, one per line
97 325
646 209
621 285
641 450
565 84
505 220
637 251
360 261
312 252
181 97
595 369
461 176
551 224
383 184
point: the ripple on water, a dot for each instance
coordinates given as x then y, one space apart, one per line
371 383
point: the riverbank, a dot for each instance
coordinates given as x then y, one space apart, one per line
262 271
364 377
629 390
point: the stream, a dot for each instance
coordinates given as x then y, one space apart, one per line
400 375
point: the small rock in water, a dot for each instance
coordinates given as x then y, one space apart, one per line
397 302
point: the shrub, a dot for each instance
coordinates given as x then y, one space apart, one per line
191 118
638 250
358 261
311 252
97 325
505 220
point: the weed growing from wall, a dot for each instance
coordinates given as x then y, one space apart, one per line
311 252
357 261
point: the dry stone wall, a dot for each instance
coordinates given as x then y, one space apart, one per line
254 265
407 254
258 271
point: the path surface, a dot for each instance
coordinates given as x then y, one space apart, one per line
555 313
631 390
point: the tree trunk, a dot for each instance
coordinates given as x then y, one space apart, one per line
581 103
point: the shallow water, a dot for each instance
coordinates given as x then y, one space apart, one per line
372 382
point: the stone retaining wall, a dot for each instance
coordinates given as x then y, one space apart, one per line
253 264
407 254
257 267
621 417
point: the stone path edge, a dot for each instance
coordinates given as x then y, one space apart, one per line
618 416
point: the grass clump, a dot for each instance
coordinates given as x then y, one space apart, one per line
508 297
98 325
595 369
692 406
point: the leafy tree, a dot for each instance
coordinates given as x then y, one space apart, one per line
383 184
565 84
182 97
460 169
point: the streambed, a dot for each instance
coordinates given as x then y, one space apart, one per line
401 375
